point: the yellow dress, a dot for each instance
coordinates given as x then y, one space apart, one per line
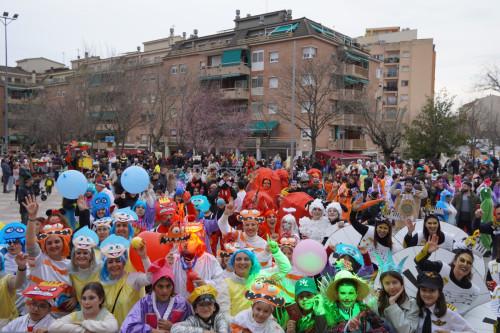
8 310
78 283
238 301
127 298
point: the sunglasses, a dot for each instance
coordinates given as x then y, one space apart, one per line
464 261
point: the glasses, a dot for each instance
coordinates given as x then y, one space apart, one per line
464 261
39 307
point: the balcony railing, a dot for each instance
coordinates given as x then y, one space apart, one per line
390 88
241 69
237 93
349 144
393 74
264 38
391 102
345 95
347 119
391 60
357 71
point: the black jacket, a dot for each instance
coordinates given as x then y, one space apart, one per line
24 191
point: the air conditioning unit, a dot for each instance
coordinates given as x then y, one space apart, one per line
396 94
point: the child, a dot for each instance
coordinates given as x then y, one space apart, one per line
311 308
48 185
207 316
259 319
434 315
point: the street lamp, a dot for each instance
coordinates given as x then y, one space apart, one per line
6 20
342 137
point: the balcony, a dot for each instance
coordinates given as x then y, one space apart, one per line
394 73
237 93
394 60
349 145
357 71
226 71
274 142
347 119
390 89
345 95
390 102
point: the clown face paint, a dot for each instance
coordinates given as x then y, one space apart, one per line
306 300
347 296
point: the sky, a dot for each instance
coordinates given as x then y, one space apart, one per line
465 33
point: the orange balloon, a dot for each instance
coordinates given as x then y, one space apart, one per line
154 249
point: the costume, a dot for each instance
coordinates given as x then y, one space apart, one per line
100 201
318 230
445 240
136 318
447 207
146 222
105 322
25 324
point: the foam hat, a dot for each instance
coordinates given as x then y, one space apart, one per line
248 215
389 265
85 239
45 291
13 232
205 293
105 221
114 246
264 291
160 268
56 229
124 215
362 287
342 249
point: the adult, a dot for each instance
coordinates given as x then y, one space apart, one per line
407 200
6 174
459 290
318 226
445 203
26 190
9 283
431 227
466 202
93 317
48 261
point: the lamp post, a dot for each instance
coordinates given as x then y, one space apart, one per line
342 136
6 20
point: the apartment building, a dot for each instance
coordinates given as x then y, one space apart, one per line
406 73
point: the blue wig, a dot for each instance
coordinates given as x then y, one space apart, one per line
12 232
139 203
91 188
255 269
111 245
100 201
2 263
124 215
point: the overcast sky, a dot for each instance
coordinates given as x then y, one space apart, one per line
466 33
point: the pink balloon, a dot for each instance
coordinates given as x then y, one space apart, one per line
309 257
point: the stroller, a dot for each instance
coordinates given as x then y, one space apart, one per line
38 189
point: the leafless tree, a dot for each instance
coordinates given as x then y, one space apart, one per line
489 78
475 125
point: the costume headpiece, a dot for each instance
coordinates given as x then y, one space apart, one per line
290 242
177 232
139 203
362 287
389 264
228 250
100 201
56 229
316 203
12 232
305 284
431 280
350 250
61 211
91 188
114 247
265 290
165 207
247 215
125 215
205 293
85 239
336 206
105 221
201 203
45 291
160 268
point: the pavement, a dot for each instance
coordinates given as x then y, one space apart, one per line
9 209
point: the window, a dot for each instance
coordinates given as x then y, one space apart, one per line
63 92
309 52
273 82
144 78
404 97
144 99
203 64
406 69
173 69
173 132
152 98
58 93
273 56
144 137
240 84
404 83
308 79
390 114
379 73
307 106
330 134
258 60
242 108
273 108
182 90
215 61
173 91
173 112
258 81
157 59
379 57
128 137
183 68
406 54
305 134
257 110
152 78
144 117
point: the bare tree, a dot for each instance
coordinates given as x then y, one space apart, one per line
475 125
314 94
489 79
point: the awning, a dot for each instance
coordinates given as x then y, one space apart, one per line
17 89
349 79
230 75
356 58
210 78
321 30
364 81
284 29
263 126
231 58
346 156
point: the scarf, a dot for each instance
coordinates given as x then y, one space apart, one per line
168 311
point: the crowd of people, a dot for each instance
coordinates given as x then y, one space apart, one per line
210 246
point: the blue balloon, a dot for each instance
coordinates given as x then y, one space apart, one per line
71 184
135 179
